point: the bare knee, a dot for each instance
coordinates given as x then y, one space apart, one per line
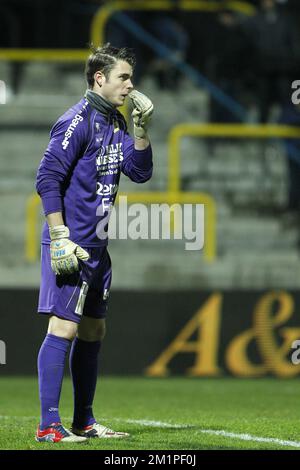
91 329
62 328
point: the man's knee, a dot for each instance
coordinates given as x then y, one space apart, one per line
62 328
91 329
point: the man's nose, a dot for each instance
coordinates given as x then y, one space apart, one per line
130 85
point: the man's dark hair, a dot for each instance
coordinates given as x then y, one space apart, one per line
104 59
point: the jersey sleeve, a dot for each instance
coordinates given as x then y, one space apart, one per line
137 164
67 141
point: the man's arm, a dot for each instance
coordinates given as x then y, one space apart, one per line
58 161
141 144
53 171
54 219
137 163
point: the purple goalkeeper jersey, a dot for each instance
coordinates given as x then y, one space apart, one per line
80 171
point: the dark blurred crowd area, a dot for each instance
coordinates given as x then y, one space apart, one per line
253 58
246 56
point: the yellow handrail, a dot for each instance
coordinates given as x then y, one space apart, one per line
174 194
102 16
180 197
209 250
32 237
218 130
44 55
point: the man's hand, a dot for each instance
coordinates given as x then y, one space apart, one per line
141 114
64 253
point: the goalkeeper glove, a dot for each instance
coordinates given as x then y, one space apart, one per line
64 253
141 114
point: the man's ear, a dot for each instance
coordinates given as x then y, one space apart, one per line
99 78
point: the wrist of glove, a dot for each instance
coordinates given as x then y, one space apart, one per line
63 252
139 129
141 114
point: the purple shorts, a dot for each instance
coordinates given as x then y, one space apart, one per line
82 293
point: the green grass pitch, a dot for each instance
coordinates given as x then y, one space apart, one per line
173 413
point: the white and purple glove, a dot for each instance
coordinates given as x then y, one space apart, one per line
141 114
65 253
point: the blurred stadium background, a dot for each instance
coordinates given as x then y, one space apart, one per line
225 133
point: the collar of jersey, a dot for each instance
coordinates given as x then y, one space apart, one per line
100 104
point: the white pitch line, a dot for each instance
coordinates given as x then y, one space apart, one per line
161 424
244 437
249 437
155 424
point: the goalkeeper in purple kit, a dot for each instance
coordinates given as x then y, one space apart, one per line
77 181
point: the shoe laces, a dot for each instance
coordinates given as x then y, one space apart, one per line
59 427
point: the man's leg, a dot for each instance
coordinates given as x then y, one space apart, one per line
51 361
86 347
84 368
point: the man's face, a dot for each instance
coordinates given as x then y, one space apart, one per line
116 87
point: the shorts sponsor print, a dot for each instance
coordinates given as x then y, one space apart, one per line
82 293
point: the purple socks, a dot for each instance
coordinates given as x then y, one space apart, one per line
84 370
51 362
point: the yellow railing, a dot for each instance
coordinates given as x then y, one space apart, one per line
32 240
104 13
184 197
45 55
101 18
174 194
218 130
32 235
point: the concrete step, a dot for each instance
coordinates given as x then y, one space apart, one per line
21 152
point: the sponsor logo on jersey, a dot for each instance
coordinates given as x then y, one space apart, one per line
69 132
110 154
106 189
